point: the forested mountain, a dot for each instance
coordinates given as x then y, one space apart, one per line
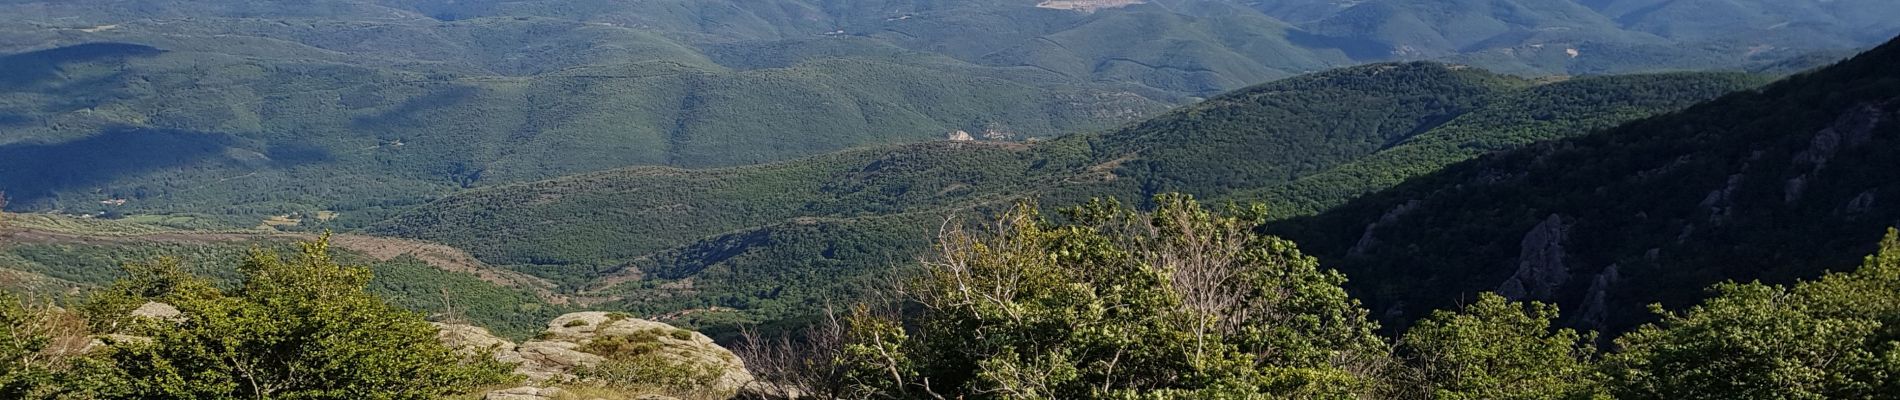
779 239
1774 184
360 108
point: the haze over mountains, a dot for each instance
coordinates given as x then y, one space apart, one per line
363 108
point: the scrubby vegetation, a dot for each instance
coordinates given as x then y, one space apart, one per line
404 281
301 326
1187 303
1181 303
633 363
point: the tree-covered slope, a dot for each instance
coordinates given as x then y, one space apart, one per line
775 239
364 107
1545 112
60 258
190 131
1776 184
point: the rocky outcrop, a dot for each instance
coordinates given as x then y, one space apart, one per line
525 393
677 345
150 311
561 352
1792 191
1367 240
1861 204
1721 202
1853 128
1540 262
1596 301
158 311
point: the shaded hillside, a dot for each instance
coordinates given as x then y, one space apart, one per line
1774 184
775 239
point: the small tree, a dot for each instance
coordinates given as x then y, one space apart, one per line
20 344
297 328
1834 338
1495 349
1113 303
38 347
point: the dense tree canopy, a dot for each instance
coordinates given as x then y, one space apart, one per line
298 327
1112 303
1834 338
1495 349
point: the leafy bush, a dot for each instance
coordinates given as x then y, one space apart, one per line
1833 338
1495 349
1182 302
302 327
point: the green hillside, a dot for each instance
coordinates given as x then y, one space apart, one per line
367 107
1774 184
275 137
778 239
61 258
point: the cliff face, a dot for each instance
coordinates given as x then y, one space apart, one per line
1540 263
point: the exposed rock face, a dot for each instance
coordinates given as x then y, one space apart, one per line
691 347
525 393
1796 186
1852 129
553 360
1540 262
556 355
471 340
1367 240
158 311
1860 204
1720 202
151 310
1596 303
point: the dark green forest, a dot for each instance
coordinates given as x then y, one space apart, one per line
1777 184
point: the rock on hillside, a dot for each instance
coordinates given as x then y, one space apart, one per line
576 345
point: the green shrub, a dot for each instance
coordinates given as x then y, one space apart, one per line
289 320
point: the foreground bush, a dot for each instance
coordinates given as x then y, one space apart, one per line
300 327
1113 303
